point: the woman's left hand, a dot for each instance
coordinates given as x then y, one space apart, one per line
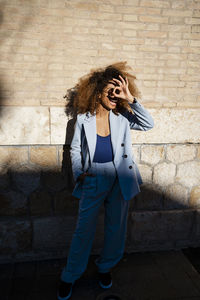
122 91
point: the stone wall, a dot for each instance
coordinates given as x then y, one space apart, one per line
38 213
46 46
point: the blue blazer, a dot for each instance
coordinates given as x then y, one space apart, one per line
84 143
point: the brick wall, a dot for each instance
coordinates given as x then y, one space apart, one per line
46 46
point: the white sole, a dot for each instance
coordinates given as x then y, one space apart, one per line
105 286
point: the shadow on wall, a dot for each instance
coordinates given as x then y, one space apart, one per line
38 213
38 217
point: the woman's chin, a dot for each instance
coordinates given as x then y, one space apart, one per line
109 105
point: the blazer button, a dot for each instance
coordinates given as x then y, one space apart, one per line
125 155
130 167
122 144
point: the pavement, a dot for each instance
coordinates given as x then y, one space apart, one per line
159 275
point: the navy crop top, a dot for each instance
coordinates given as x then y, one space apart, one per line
103 152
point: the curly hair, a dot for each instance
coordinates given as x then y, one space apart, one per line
84 98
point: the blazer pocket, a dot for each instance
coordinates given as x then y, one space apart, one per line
89 182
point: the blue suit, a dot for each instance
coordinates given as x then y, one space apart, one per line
84 143
114 182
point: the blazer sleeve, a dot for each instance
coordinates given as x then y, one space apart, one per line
75 151
140 119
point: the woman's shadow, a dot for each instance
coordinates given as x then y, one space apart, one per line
66 159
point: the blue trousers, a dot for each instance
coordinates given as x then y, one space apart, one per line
102 188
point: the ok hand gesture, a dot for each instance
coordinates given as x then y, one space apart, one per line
122 91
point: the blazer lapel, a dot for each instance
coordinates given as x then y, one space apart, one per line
115 129
91 136
90 132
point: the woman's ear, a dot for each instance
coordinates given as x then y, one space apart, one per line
98 98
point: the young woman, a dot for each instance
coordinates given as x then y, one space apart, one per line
104 168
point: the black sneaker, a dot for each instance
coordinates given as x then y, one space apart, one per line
65 290
105 280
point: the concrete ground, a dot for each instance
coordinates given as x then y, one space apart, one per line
161 275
